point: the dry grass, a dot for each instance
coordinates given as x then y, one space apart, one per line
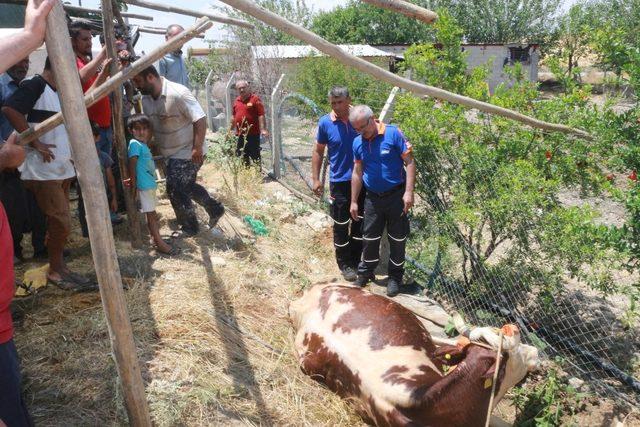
211 327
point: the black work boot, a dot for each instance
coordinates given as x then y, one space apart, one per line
363 280
393 287
349 274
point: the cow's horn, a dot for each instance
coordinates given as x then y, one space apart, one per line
461 326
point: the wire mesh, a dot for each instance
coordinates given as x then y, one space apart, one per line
572 322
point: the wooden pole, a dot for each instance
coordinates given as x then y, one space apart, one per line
127 85
495 379
189 12
119 138
336 52
114 82
407 9
72 8
276 131
150 30
100 233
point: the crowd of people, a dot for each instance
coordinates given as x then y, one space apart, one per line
372 170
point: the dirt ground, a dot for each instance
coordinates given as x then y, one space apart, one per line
211 325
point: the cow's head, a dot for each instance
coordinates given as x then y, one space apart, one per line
522 358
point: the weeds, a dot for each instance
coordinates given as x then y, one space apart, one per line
552 402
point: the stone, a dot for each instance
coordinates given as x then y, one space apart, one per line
576 383
287 217
318 221
217 261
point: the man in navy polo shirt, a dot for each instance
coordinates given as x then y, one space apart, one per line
381 153
335 131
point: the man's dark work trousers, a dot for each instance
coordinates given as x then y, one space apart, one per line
382 210
23 212
182 188
13 411
347 234
249 148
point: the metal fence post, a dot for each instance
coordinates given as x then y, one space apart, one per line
276 128
207 93
387 110
228 101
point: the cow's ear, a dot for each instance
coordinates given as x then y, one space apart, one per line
450 354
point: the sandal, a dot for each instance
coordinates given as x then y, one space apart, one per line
174 251
73 282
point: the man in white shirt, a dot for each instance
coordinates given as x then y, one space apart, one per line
47 170
179 127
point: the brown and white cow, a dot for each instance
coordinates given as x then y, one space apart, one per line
375 352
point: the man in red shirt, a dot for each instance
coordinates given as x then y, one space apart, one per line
248 123
13 411
100 112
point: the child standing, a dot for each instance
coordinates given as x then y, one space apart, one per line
106 164
143 179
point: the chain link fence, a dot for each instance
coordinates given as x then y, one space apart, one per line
573 324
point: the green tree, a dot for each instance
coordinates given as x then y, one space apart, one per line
574 30
314 76
296 11
490 187
504 21
361 23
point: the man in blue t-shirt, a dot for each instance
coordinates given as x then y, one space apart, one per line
381 153
336 133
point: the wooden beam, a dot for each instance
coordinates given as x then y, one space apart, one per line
128 85
72 8
115 81
160 31
336 52
189 12
407 9
119 138
100 233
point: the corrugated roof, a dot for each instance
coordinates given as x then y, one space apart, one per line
302 51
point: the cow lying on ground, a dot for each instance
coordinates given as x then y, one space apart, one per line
375 352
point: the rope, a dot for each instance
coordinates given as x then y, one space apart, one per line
495 380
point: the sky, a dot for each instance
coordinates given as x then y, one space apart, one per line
148 41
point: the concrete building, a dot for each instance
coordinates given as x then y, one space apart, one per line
498 54
288 56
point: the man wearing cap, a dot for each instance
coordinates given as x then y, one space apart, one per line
381 155
336 133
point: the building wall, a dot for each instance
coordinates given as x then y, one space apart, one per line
497 56
479 55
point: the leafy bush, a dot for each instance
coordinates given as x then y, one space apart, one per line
494 187
314 76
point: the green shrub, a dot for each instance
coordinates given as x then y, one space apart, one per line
315 75
494 186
